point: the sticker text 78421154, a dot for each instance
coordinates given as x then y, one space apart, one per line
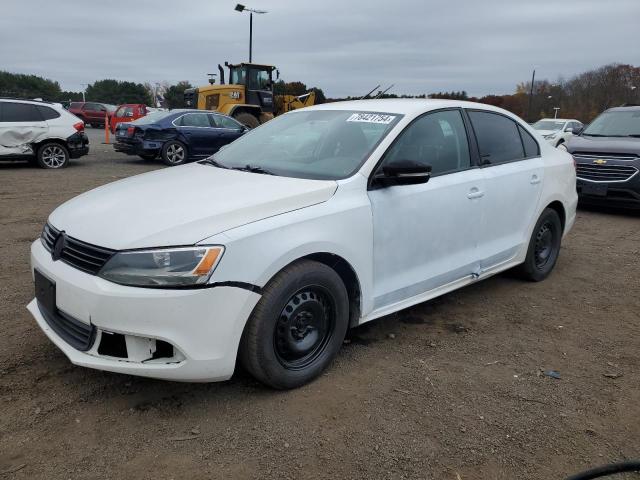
371 118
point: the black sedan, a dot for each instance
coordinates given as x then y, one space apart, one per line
177 136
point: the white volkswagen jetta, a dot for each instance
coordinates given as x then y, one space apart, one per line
319 220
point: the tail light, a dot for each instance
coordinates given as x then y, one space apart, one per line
130 131
79 126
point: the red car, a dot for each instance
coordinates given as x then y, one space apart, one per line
92 113
127 112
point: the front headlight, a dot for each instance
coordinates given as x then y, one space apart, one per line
167 267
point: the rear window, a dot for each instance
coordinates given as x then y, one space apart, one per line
531 147
47 112
20 112
498 137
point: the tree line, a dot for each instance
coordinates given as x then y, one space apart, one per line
582 96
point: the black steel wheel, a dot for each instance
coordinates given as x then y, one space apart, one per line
297 327
544 247
304 328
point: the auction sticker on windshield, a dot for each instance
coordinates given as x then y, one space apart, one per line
371 118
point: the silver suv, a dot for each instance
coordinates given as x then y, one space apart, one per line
41 132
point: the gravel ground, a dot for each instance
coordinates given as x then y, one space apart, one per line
449 389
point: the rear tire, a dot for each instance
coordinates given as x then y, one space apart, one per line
247 119
544 247
52 156
297 327
174 153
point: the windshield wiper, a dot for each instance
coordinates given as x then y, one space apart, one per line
212 161
253 169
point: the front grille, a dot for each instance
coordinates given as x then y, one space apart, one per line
83 256
590 156
605 173
77 334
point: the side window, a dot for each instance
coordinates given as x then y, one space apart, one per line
498 137
91 107
225 122
437 139
194 120
20 112
531 147
47 113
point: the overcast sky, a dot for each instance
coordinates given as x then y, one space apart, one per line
345 47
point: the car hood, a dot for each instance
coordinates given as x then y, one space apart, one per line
182 205
625 145
547 132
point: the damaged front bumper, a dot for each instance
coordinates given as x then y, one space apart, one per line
182 334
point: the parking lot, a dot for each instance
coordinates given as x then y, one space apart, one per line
453 388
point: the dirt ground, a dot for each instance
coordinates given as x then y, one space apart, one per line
445 390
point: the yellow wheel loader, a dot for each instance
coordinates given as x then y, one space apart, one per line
248 97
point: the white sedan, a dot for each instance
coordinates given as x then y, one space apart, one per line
319 220
558 131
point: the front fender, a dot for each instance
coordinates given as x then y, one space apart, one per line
341 226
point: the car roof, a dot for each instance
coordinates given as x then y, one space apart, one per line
560 120
404 106
25 100
633 108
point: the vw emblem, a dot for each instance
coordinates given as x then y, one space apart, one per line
56 253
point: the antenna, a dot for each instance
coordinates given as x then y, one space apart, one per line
383 92
372 90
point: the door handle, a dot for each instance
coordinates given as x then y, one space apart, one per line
475 193
535 179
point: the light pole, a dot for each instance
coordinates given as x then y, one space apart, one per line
85 85
242 8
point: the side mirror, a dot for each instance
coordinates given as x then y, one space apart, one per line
568 130
403 172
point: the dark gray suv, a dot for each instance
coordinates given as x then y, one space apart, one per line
607 155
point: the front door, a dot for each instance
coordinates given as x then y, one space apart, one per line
513 173
425 236
198 133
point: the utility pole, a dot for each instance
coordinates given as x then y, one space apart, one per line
533 79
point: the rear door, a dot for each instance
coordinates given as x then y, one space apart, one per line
21 125
513 173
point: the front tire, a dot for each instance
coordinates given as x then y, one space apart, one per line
544 247
52 156
297 327
174 153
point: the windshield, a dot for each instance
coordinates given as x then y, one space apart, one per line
152 117
548 125
317 144
615 124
